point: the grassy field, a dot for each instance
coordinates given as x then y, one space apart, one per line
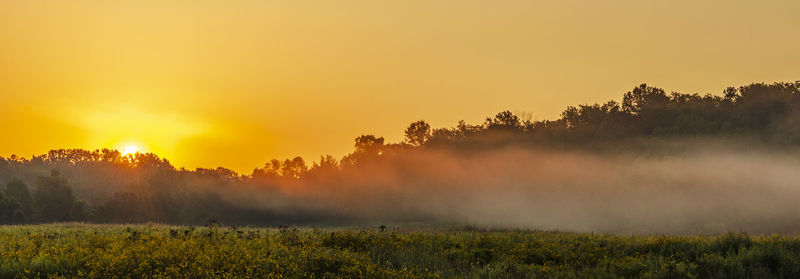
158 251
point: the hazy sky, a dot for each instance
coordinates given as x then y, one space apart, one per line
235 83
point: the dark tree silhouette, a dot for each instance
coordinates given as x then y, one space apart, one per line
368 144
327 165
7 210
53 198
17 193
504 120
294 168
418 133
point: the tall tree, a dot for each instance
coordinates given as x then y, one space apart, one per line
17 192
53 199
368 144
506 120
8 209
418 133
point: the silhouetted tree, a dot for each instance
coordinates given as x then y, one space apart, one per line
17 192
294 168
8 210
368 144
270 170
327 165
644 98
504 120
366 148
52 198
418 133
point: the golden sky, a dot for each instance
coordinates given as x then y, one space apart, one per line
235 83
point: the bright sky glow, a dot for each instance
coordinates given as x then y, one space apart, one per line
235 83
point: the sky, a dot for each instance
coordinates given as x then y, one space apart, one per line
235 83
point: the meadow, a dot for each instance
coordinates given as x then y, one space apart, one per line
76 250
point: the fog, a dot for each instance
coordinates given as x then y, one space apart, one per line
701 189
649 187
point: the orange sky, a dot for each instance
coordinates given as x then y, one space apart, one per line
235 83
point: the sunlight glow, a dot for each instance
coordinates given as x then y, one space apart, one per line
129 150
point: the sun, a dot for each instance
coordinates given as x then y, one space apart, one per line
129 150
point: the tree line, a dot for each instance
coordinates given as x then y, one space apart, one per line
106 186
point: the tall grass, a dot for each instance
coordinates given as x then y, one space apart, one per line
158 251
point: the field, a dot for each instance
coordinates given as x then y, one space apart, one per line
158 251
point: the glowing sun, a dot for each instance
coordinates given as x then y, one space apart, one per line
129 150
